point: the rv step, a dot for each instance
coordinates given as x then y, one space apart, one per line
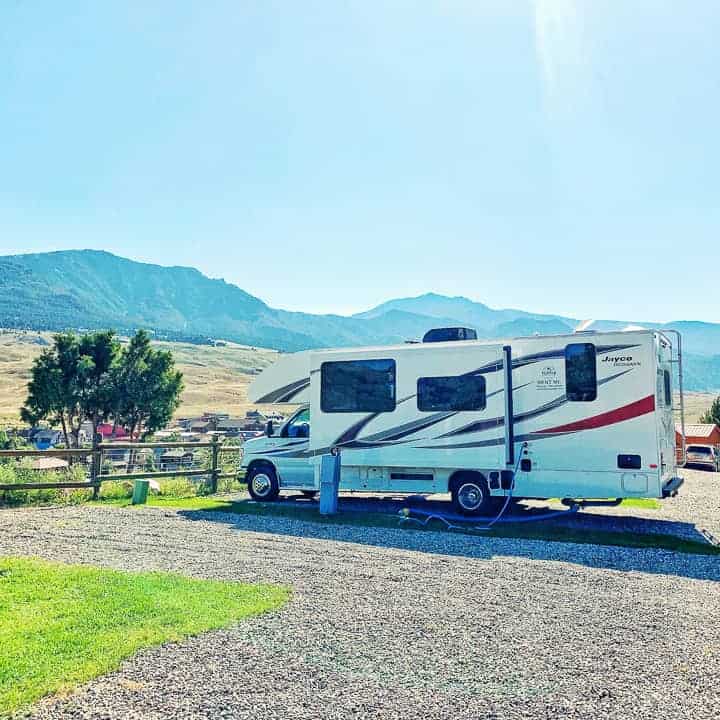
671 487
569 502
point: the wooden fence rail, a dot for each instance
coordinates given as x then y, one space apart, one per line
99 448
53 452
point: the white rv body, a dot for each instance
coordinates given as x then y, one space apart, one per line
614 442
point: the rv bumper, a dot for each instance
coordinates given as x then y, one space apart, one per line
671 487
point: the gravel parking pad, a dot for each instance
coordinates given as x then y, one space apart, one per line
398 623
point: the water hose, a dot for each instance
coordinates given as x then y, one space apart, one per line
406 516
405 513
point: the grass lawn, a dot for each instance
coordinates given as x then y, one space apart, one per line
547 531
646 503
64 624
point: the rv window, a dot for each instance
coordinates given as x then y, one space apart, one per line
299 426
357 386
580 372
451 393
668 388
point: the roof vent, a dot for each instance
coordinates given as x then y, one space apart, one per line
449 334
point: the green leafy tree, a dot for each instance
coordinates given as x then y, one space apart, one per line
73 381
93 378
97 376
713 414
53 392
148 387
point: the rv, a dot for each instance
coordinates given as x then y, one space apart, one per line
587 415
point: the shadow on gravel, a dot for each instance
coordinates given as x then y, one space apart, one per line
297 517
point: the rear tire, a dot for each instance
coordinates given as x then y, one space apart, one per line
471 494
262 483
310 494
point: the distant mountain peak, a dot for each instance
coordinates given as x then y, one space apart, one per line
97 289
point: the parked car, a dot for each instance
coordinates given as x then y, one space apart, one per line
706 455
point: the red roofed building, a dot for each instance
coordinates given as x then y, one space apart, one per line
698 434
106 430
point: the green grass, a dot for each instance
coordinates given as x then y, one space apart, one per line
63 624
193 502
547 531
646 503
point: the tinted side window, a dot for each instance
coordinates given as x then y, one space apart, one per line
580 372
357 386
299 426
451 393
667 384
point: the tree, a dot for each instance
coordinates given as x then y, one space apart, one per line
73 381
93 378
148 387
53 392
712 415
97 370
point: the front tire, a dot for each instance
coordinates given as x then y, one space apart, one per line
262 483
471 494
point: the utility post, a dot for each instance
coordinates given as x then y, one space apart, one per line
330 466
215 464
96 464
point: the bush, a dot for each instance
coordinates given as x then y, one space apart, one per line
226 485
116 490
179 487
14 473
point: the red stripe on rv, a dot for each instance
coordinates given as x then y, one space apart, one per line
626 412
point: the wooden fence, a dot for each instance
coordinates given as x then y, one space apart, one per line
94 457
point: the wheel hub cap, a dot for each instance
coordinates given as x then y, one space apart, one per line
470 496
261 484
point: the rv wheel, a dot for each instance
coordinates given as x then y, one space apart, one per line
262 483
470 494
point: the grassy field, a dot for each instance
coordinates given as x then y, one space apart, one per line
216 378
696 403
61 625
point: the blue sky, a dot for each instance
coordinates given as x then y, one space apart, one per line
555 155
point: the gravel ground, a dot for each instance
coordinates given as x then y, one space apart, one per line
399 624
694 514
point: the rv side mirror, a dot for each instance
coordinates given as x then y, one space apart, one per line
269 428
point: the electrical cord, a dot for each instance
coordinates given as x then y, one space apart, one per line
428 517
407 517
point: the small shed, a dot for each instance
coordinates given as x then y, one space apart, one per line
698 434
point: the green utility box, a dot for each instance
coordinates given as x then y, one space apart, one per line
140 492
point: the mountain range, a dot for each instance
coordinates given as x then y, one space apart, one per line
88 289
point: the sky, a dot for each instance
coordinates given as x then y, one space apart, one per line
556 156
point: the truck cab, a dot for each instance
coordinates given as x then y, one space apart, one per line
280 458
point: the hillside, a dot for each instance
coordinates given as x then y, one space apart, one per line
87 289
92 289
216 378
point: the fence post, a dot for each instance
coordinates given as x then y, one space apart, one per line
215 464
96 464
